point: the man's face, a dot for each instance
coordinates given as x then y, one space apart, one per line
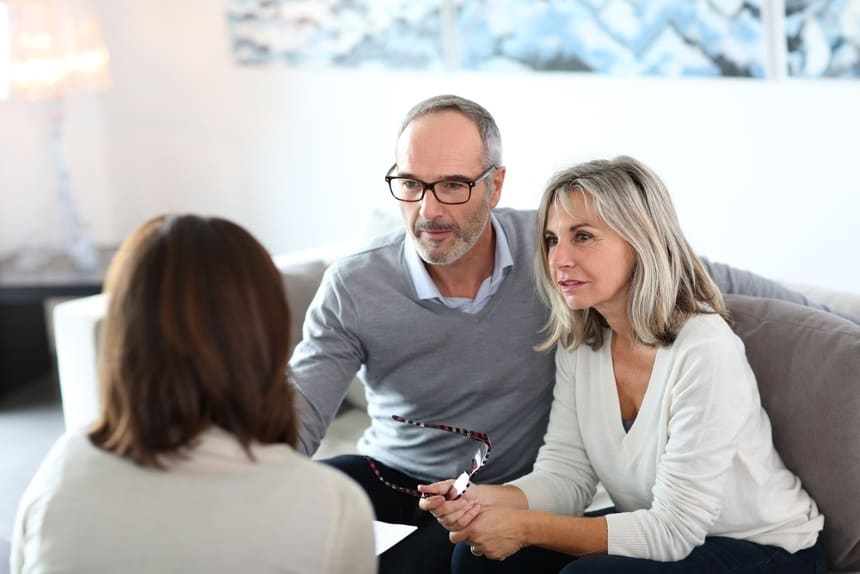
446 145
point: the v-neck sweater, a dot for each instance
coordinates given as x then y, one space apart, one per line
422 360
698 460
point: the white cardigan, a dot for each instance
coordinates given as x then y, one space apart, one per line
698 461
87 510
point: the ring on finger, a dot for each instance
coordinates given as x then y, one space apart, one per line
474 550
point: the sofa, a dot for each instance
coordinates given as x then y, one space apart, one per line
807 363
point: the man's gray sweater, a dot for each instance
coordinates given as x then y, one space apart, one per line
424 361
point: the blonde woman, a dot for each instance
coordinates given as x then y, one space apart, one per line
654 398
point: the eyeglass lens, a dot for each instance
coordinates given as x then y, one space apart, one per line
445 191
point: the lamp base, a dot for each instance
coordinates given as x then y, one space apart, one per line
76 245
78 251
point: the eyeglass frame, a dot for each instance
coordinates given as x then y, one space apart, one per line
462 482
432 185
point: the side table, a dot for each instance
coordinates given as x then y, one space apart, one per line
24 346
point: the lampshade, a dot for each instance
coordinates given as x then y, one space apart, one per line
56 48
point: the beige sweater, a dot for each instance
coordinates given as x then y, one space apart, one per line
89 511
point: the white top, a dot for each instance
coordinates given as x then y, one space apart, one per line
87 510
698 461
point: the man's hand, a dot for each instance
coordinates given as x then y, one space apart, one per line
451 511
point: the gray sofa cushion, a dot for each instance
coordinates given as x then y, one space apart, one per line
5 550
807 364
301 281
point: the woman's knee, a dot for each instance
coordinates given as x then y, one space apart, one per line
463 561
598 564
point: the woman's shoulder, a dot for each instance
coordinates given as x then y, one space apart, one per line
707 343
566 358
705 328
707 338
71 446
304 473
70 455
298 484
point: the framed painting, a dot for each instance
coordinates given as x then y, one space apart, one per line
823 38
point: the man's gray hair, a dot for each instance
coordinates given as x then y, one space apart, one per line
487 127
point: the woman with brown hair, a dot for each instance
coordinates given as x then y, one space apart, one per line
190 466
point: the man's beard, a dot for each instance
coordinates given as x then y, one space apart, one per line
464 237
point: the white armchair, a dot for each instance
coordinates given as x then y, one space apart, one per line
76 335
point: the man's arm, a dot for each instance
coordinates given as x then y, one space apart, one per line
741 282
325 361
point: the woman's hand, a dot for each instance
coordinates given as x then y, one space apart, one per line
491 518
497 532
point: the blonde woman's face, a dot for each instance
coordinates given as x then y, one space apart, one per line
590 264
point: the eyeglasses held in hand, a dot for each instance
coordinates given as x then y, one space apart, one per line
462 482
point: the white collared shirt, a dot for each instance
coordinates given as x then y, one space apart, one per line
427 290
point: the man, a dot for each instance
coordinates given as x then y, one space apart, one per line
442 320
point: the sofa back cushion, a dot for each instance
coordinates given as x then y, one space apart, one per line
807 364
301 281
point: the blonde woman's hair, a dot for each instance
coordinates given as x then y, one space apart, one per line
669 283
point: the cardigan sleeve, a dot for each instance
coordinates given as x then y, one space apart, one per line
712 394
563 480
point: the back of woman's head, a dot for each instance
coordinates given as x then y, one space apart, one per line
669 283
196 334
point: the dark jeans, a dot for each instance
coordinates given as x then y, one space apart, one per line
716 556
427 550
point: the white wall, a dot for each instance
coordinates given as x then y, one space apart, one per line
762 172
4 52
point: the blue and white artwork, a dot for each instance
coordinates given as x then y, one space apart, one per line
625 37
354 33
823 38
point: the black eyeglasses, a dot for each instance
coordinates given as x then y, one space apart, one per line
462 482
448 191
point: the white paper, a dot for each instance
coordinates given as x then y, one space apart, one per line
387 534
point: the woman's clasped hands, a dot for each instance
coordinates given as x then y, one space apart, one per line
490 530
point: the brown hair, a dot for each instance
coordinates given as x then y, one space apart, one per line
196 334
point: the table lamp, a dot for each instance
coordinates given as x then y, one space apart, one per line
56 48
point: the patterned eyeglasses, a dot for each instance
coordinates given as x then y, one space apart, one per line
462 482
